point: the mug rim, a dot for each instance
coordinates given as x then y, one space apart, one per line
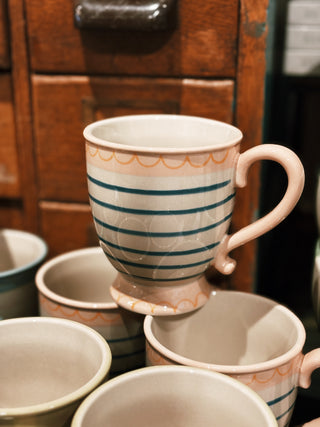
164 369
73 303
88 135
233 369
79 393
10 232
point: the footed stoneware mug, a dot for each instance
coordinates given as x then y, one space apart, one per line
251 338
173 396
76 286
162 191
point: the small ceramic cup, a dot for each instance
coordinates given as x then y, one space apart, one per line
21 255
173 396
76 285
251 338
47 366
162 191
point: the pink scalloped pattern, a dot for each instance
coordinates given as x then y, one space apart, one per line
257 381
90 318
184 304
161 165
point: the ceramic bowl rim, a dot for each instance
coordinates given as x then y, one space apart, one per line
234 369
73 303
77 394
88 135
165 369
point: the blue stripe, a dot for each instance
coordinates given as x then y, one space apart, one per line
165 212
114 372
151 279
286 412
125 339
159 192
159 267
121 356
158 253
157 234
278 399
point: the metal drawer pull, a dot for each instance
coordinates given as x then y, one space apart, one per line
137 15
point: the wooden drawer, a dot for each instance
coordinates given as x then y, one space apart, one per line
9 174
11 214
64 105
4 38
204 42
66 226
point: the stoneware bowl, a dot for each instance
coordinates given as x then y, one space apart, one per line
21 255
173 396
76 286
251 338
47 366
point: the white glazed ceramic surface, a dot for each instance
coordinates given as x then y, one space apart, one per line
316 283
21 255
173 396
47 366
162 190
76 286
251 338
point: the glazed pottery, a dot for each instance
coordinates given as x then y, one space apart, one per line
251 338
162 192
316 283
47 366
75 285
21 255
173 396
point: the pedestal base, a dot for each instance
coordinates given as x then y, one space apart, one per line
161 301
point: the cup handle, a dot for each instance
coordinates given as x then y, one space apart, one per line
295 172
310 362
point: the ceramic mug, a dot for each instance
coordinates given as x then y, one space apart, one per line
47 366
172 396
162 191
251 338
21 255
75 286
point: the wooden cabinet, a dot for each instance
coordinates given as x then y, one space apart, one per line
210 64
203 42
4 36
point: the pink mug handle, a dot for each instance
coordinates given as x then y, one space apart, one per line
295 172
310 362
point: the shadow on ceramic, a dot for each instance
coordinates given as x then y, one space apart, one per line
76 286
22 253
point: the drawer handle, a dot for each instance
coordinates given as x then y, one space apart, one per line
137 15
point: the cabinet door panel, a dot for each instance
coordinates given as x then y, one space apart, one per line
4 38
66 226
9 172
203 42
64 105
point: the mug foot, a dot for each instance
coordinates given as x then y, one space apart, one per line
161 301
